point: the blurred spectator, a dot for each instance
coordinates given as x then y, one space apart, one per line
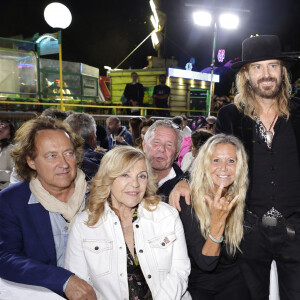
134 93
143 128
184 149
117 134
102 140
198 138
178 121
160 97
134 128
186 131
212 122
7 133
55 114
84 125
197 123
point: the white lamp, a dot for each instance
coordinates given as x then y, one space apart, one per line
57 15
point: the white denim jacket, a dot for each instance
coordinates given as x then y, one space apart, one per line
98 254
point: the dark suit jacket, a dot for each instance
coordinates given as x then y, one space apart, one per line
27 249
232 121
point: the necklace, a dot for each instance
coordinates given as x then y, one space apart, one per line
269 134
126 227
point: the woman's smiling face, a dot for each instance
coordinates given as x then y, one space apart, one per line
223 165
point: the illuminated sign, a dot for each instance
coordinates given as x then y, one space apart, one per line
221 55
179 73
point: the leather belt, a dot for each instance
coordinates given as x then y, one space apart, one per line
273 222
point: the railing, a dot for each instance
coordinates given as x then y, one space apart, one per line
8 105
17 118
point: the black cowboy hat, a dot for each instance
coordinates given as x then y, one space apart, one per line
261 47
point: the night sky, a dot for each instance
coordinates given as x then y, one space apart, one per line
105 32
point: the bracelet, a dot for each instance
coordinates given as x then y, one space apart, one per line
185 179
215 240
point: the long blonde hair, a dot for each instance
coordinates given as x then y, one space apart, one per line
245 97
202 184
115 163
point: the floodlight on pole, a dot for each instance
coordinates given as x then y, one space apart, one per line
58 16
228 21
202 18
153 8
154 39
154 23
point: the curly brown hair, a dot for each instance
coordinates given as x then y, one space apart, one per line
25 143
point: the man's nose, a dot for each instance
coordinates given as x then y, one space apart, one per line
161 148
266 72
63 162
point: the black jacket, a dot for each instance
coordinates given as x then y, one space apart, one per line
168 186
91 162
232 121
275 184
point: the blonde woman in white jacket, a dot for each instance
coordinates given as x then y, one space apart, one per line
128 244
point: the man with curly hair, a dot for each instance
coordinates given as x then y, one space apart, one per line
35 214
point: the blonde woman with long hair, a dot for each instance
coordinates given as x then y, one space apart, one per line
128 244
214 223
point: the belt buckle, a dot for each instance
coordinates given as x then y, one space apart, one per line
269 221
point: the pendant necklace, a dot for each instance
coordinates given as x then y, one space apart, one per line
126 228
269 134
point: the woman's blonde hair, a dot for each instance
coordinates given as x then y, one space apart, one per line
115 163
202 184
245 97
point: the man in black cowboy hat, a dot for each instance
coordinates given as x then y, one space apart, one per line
267 120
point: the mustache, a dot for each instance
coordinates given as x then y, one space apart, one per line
267 79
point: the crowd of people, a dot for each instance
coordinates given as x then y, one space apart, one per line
175 208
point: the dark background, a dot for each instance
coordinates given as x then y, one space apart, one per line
105 32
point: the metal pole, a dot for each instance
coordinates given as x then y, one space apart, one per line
38 72
212 69
60 72
142 42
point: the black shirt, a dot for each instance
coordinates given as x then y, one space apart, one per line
208 273
134 92
161 90
274 173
